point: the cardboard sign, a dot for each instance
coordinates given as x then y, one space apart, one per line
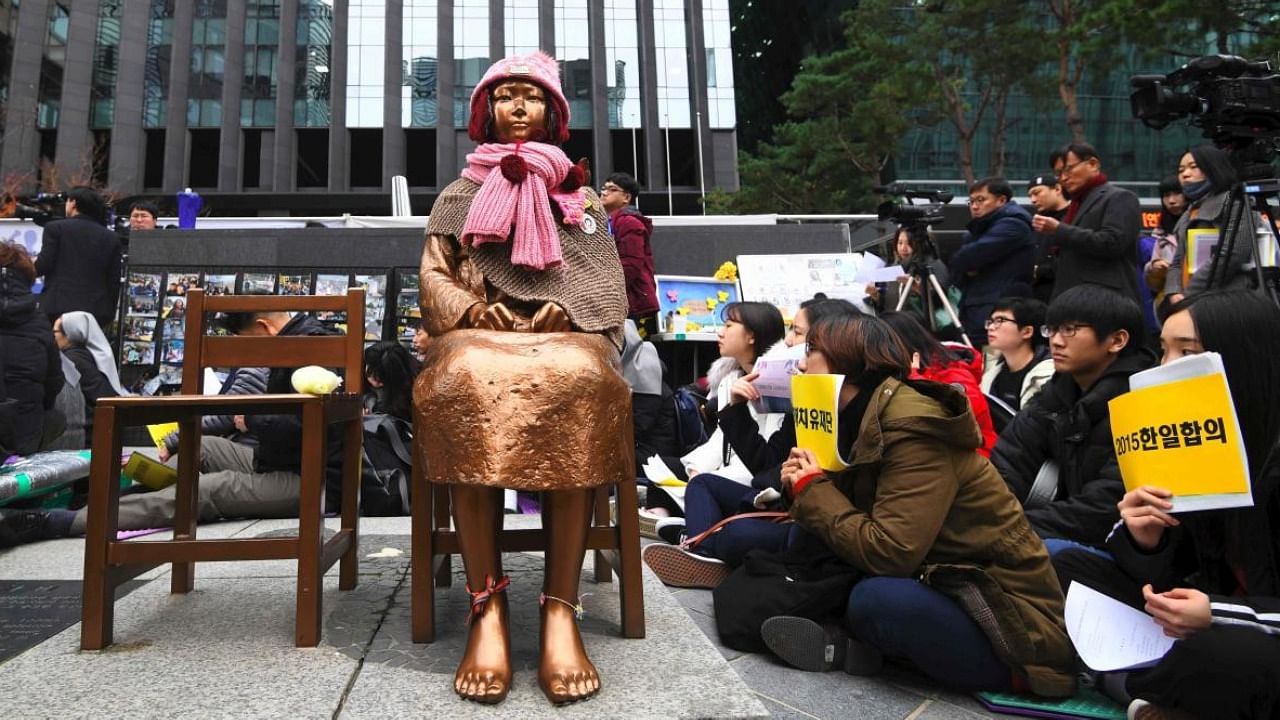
1177 429
815 401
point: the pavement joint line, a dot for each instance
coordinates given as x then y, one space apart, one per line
786 705
920 710
355 674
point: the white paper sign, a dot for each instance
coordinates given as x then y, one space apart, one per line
1109 635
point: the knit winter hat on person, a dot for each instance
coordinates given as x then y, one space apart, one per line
1048 179
538 68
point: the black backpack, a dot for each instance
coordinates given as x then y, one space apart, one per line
690 430
386 466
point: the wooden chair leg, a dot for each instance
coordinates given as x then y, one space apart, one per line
599 561
310 525
97 604
421 585
630 579
186 514
349 565
444 522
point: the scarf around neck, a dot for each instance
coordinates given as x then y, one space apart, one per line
517 183
1077 199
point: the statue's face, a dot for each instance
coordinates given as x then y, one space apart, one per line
519 111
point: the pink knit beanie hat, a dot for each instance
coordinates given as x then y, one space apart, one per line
538 68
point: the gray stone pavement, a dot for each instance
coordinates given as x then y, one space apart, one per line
226 650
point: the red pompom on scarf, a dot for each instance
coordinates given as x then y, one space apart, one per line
577 176
514 168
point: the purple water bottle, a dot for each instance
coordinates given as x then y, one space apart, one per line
188 208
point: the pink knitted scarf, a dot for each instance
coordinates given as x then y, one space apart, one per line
517 182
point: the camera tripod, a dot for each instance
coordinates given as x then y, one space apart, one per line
1247 200
932 289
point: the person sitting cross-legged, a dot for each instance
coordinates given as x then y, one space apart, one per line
236 480
1093 334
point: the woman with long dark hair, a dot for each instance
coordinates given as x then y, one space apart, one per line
1211 579
1207 175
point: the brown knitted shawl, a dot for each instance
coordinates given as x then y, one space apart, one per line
588 284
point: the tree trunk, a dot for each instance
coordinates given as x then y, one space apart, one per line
999 133
1068 82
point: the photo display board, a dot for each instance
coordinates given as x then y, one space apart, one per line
785 281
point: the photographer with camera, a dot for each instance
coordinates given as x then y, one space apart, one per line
1207 176
997 256
1097 240
80 260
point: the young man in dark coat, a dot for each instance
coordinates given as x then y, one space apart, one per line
631 231
30 367
1097 240
1049 199
80 260
1094 337
996 257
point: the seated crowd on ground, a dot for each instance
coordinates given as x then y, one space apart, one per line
977 487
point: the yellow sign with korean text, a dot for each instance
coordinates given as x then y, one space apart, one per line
815 405
1183 436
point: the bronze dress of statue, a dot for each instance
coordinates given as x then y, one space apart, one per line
523 297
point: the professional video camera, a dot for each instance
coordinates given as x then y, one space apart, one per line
904 212
1233 100
41 207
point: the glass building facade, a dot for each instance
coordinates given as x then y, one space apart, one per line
241 98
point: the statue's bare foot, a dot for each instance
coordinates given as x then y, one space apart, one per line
484 675
565 674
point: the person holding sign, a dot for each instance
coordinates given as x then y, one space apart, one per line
1056 455
1207 175
928 521
1210 579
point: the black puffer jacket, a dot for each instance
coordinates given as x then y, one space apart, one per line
1073 429
280 436
32 368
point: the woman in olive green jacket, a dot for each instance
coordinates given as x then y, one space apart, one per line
957 583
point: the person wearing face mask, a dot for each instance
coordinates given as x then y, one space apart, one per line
1207 176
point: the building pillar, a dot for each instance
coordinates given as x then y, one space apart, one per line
74 151
601 139
339 179
695 39
547 26
446 72
127 139
229 155
283 177
654 142
393 138
175 137
21 137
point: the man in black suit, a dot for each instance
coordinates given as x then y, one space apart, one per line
80 260
1097 240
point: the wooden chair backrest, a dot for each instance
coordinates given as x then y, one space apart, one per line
202 350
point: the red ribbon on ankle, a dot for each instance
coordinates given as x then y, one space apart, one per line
480 598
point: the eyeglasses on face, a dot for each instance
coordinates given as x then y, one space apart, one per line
1066 330
1068 167
997 321
609 189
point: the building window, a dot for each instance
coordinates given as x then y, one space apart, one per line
260 73
520 26
470 53
208 48
420 157
153 159
202 166
155 79
311 71
419 99
622 58
366 61
251 159
106 65
365 151
52 65
313 157
672 53
573 50
719 55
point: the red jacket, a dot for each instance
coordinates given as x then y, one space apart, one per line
631 232
968 375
